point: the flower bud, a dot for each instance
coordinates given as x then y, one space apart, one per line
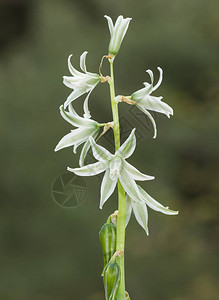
112 276
117 33
107 237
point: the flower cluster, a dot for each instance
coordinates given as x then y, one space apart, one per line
86 130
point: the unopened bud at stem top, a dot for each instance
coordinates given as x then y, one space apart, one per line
117 33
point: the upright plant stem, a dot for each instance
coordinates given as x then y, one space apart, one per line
120 239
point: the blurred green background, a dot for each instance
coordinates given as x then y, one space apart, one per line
53 253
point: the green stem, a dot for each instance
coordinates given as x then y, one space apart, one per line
120 238
114 106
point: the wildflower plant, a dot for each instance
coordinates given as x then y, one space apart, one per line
118 172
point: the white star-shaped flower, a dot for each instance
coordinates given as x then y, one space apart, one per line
81 83
117 168
86 128
145 101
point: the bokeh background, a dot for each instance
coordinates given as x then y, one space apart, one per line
48 252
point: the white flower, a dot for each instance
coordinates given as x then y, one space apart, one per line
117 32
144 101
117 168
86 128
81 83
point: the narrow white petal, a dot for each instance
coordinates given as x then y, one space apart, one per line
134 173
76 145
99 152
159 80
128 146
118 22
121 27
85 150
76 136
152 203
83 61
128 210
69 81
107 187
76 83
116 38
74 95
155 104
110 24
141 214
87 114
72 70
73 118
151 76
142 93
90 170
130 186
94 77
126 22
83 154
144 110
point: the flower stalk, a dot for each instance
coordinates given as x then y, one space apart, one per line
118 172
121 217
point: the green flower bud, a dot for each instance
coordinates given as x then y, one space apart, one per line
112 276
107 237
